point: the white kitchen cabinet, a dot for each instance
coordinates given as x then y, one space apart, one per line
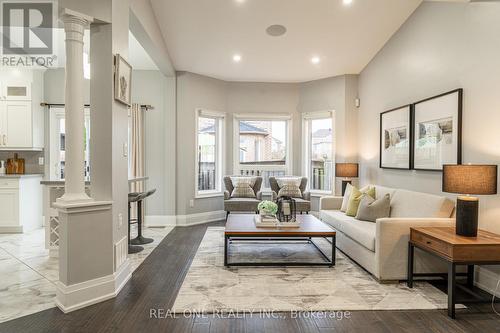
20 203
16 90
16 124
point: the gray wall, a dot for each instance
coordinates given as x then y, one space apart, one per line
442 46
197 91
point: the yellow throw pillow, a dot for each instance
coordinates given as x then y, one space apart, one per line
355 198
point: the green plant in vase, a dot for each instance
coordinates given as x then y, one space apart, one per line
267 208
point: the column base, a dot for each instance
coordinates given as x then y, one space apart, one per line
80 295
74 198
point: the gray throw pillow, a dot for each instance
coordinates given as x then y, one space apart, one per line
370 209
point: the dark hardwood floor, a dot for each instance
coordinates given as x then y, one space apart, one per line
156 282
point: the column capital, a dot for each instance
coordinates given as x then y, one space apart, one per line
69 16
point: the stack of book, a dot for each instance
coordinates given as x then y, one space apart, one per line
266 221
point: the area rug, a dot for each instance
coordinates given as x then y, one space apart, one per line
210 287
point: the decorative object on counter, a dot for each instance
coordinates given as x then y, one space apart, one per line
469 179
287 211
346 171
15 166
437 124
2 167
123 80
395 133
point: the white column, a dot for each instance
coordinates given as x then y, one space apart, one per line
74 26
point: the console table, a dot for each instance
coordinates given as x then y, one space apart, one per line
456 250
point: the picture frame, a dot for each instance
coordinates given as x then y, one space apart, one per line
123 80
395 138
437 128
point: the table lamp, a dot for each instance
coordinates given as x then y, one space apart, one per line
469 179
346 171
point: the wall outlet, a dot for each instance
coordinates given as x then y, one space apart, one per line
191 203
41 161
120 220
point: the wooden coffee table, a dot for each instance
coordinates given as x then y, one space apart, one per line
241 227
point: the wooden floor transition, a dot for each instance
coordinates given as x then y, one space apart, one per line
155 284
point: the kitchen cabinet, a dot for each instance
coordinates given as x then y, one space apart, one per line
20 203
21 120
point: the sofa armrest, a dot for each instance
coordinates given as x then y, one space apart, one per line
330 203
391 245
227 196
259 195
306 196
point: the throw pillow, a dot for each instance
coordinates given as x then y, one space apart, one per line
345 200
289 187
243 187
370 209
243 190
355 198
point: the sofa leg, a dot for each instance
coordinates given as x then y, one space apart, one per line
307 212
227 215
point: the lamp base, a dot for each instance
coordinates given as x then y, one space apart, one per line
344 185
467 216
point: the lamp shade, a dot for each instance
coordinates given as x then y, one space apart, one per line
470 179
346 170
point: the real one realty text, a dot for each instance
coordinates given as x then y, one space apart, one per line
228 314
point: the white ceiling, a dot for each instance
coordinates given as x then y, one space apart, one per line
203 35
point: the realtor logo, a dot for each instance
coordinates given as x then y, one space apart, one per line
27 27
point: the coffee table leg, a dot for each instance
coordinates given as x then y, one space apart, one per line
411 254
451 289
333 250
470 276
226 240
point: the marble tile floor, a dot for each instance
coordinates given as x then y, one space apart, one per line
28 274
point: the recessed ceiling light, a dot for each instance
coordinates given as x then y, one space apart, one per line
237 58
240 1
347 2
276 30
315 60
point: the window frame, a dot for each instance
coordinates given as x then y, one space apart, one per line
237 117
55 115
307 119
220 149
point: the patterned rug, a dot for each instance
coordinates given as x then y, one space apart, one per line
210 287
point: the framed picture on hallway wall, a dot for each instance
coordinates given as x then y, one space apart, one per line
395 134
123 80
438 131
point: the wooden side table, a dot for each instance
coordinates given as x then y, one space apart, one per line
456 250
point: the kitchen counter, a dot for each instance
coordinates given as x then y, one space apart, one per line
26 175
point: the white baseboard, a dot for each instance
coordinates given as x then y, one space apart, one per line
160 220
11 230
200 218
80 295
487 280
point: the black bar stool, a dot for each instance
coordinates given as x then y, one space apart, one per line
139 240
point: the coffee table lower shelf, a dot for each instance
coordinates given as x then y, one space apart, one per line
329 261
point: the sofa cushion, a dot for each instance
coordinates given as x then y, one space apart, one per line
363 232
371 209
406 203
302 205
355 198
345 200
289 187
243 190
241 204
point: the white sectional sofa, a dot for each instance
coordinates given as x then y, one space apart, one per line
382 247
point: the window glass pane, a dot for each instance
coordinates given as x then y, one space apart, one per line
321 154
207 153
262 142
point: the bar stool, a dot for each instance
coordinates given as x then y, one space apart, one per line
139 240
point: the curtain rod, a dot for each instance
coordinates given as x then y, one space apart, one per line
49 105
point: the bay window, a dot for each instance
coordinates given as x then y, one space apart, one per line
209 152
318 147
262 146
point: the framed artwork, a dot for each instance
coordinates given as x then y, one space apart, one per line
438 131
123 80
395 134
